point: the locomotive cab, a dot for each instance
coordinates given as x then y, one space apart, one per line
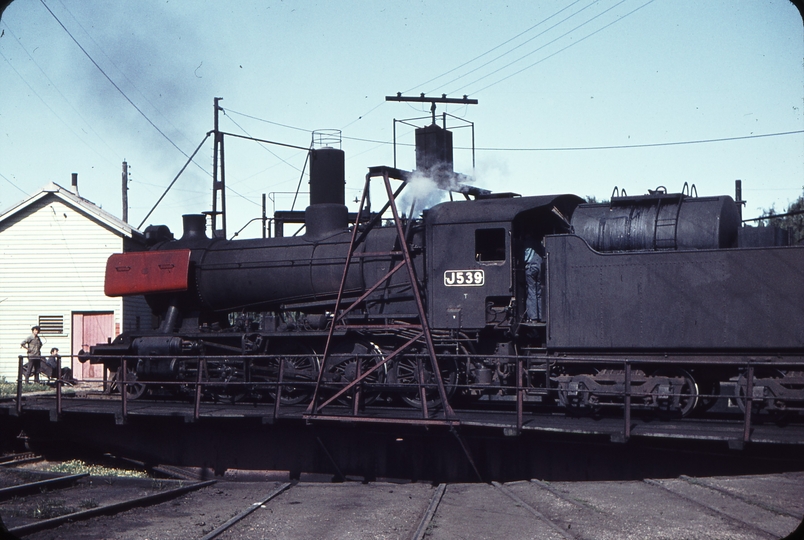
475 261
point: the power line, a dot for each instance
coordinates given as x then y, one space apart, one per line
55 87
495 48
13 184
567 148
118 88
565 48
268 121
45 103
531 39
260 143
647 145
509 51
189 159
122 72
383 102
553 41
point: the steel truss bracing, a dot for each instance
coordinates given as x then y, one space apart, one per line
419 331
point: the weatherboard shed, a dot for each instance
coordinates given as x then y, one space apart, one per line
53 251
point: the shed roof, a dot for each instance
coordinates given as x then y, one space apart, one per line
80 204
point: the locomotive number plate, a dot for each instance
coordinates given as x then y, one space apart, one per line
464 278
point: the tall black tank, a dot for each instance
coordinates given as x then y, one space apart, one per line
658 221
433 149
327 176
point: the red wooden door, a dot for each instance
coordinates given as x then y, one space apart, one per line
90 329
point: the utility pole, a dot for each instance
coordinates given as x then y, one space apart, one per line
264 217
125 191
218 181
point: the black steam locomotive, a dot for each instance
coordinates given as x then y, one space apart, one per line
425 310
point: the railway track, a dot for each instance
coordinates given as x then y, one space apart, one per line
753 507
32 501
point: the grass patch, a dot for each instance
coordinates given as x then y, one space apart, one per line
76 466
88 504
51 509
9 388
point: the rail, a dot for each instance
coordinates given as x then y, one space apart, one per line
536 381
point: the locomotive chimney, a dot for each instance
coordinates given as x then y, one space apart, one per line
195 226
327 176
327 212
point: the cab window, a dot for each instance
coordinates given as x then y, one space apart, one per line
490 245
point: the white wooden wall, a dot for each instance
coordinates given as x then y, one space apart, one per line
52 262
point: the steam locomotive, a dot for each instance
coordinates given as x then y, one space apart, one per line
653 291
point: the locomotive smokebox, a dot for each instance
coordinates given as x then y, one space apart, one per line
327 176
434 149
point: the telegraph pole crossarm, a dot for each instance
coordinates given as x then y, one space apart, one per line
432 100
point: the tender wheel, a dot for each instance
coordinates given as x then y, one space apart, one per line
300 364
342 365
689 393
406 371
709 394
574 394
741 387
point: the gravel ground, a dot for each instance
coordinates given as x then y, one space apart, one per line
190 516
737 508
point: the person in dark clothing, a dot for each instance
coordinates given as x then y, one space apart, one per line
33 345
533 258
51 366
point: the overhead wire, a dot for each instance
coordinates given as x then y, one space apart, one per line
647 145
265 148
260 143
121 71
565 34
268 121
56 88
497 47
120 90
572 148
560 50
528 41
464 64
13 184
189 159
45 103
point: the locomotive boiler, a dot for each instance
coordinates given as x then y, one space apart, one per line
651 293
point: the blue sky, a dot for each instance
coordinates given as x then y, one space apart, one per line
574 97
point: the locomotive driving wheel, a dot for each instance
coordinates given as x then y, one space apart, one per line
134 389
406 372
342 367
300 364
231 374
